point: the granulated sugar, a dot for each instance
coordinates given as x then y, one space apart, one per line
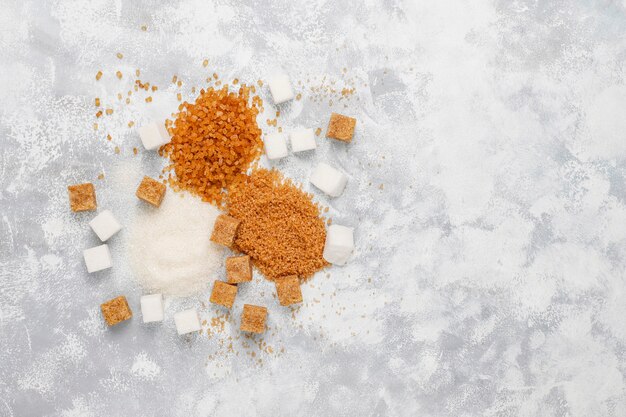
170 251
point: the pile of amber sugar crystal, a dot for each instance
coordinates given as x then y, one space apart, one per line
214 141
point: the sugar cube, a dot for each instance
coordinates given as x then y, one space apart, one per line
302 140
97 258
253 319
329 180
152 308
105 225
275 146
280 87
187 321
341 127
151 191
339 244
288 290
225 230
238 269
223 294
154 135
116 310
82 197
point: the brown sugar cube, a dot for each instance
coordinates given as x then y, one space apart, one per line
116 310
225 230
238 269
288 290
341 127
223 294
151 191
82 197
253 319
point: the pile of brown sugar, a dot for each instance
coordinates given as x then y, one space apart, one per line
214 140
281 227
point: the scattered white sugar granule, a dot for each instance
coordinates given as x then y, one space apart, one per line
170 250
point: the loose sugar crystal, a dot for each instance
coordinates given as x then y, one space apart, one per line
187 321
225 230
275 146
151 191
238 269
154 135
339 244
280 87
341 127
288 290
97 258
105 225
223 294
253 319
116 310
82 197
152 308
302 140
329 180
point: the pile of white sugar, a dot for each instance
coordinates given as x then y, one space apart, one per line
170 251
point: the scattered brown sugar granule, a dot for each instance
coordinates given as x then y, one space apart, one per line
341 127
109 112
148 99
97 102
238 269
253 319
98 75
214 141
205 62
119 55
318 131
223 294
82 197
101 176
116 310
225 230
119 74
288 290
99 113
151 191
281 228
144 28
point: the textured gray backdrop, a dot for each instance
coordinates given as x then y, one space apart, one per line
487 189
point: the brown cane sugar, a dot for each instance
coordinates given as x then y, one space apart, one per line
82 197
214 141
151 191
116 310
253 319
281 227
288 290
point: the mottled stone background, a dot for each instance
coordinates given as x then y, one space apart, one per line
487 189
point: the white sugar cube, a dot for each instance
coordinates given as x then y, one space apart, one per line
154 135
152 308
302 140
329 179
275 146
105 225
280 87
97 258
339 244
187 321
